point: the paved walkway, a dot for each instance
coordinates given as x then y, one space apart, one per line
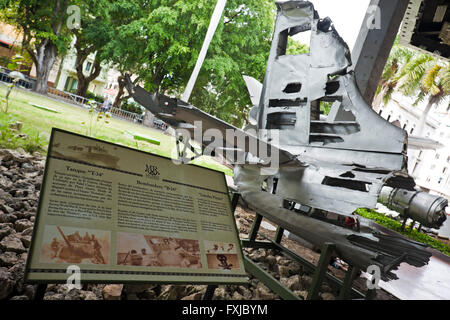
430 282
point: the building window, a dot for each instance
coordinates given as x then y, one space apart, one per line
437 156
381 111
412 129
88 66
388 118
444 170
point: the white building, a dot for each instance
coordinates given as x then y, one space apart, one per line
430 168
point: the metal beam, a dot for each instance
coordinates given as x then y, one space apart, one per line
268 280
322 267
373 45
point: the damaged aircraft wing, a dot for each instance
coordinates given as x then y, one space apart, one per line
336 163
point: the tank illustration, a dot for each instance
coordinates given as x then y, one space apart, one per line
75 248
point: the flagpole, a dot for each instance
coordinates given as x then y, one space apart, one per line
217 14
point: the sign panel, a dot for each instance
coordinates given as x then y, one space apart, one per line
122 215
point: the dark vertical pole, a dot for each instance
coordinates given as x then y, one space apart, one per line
404 223
279 235
371 294
234 201
209 293
40 292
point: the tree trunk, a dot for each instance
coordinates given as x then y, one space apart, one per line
45 55
119 97
45 58
378 100
83 81
82 86
423 118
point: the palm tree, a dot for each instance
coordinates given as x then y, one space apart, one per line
425 77
398 57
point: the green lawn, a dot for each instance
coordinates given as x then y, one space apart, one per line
37 120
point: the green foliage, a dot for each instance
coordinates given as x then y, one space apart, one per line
96 121
240 46
95 32
20 63
296 47
5 100
131 107
12 139
392 72
44 32
92 96
325 107
396 226
160 41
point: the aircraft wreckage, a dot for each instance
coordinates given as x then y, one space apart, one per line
350 159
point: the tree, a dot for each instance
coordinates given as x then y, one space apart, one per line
126 47
160 41
42 24
414 74
398 57
426 78
240 47
91 38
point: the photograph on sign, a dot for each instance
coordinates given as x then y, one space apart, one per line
123 215
144 250
75 245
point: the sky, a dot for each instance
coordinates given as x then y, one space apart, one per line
347 16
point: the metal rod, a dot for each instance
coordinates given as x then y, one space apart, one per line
332 280
234 201
40 292
209 293
371 294
412 225
268 280
217 14
404 223
255 227
322 267
351 274
279 234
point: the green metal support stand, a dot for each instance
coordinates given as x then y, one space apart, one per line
322 267
255 227
320 274
268 280
351 274
279 235
371 294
